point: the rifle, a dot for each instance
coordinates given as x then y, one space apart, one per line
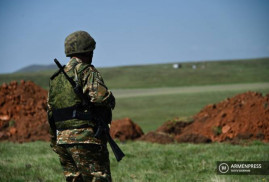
102 126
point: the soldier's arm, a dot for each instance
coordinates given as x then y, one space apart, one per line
95 88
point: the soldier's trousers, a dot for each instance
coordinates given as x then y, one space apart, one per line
84 162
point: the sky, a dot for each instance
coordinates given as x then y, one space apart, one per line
133 32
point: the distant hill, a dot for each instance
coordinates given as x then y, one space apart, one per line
163 75
36 68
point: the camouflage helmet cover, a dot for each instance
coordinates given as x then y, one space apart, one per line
78 42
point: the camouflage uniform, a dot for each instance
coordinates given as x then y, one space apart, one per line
82 156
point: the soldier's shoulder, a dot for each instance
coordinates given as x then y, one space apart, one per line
83 67
93 69
89 69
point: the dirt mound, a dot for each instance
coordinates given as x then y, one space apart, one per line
125 129
173 127
192 138
23 112
23 116
244 116
157 137
165 134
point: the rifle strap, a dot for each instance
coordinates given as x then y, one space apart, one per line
56 73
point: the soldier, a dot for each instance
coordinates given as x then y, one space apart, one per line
83 157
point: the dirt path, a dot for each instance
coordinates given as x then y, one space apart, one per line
127 93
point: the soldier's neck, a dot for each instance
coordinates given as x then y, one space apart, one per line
85 59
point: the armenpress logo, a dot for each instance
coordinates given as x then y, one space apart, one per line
223 168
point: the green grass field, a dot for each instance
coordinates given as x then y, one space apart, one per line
154 162
143 162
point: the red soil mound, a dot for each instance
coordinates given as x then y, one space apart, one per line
23 112
23 116
157 137
166 133
173 127
125 129
245 116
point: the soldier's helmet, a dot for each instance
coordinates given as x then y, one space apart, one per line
78 42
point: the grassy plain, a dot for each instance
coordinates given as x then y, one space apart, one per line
144 162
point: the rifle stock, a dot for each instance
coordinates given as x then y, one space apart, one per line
115 148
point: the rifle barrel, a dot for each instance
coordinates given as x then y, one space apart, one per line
72 82
58 64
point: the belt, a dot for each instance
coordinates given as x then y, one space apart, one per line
68 113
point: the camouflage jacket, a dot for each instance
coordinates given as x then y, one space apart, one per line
93 88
